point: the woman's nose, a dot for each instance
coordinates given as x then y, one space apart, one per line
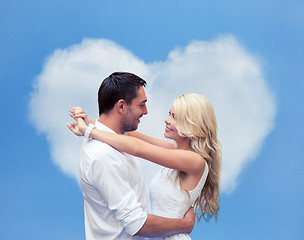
167 120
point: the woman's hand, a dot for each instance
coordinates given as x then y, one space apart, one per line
78 112
81 119
79 127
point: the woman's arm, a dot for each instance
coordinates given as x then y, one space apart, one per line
78 112
151 140
182 160
92 121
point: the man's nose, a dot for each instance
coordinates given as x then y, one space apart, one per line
145 110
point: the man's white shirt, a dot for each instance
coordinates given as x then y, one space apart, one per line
116 201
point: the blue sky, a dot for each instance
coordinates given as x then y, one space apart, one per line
39 200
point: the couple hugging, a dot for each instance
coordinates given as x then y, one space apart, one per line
117 204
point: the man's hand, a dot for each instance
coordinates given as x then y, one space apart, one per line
156 226
190 219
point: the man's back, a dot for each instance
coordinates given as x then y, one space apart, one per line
115 198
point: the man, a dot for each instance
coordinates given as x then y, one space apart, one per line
116 203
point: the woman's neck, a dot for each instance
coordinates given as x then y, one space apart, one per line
184 144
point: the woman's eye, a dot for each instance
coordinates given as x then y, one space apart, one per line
172 115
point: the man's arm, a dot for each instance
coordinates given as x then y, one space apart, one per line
111 181
156 226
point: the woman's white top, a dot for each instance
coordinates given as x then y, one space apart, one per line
169 200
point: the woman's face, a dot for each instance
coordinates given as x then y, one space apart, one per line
170 130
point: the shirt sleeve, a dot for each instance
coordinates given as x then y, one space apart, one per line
111 180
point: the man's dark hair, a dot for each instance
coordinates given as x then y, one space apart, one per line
119 85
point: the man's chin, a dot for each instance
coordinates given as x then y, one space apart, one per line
133 128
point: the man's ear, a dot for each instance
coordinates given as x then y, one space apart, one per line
121 106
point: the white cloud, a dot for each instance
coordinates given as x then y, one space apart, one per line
222 70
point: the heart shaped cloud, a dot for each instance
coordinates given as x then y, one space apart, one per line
222 70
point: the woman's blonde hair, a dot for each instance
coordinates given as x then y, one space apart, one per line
196 120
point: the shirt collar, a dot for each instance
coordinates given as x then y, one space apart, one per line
103 127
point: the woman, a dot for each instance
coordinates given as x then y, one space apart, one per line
190 176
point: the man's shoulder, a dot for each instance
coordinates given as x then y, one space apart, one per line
94 147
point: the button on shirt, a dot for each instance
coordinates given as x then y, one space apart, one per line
116 200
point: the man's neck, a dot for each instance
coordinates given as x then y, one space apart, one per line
111 122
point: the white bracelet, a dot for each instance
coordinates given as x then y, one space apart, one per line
88 131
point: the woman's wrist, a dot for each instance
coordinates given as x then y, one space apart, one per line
88 131
92 121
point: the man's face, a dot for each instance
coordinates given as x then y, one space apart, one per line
134 112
